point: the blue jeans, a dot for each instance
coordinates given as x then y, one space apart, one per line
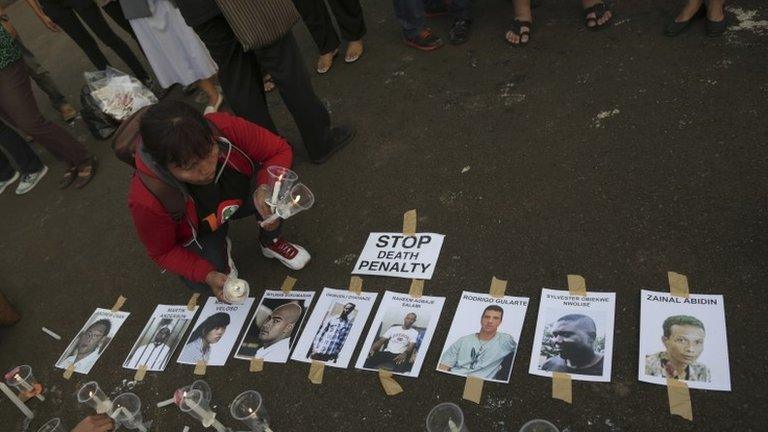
412 16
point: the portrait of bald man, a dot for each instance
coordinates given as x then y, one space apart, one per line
573 338
271 340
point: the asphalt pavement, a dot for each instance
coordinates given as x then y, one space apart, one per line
617 155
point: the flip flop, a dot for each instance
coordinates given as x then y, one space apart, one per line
69 177
599 9
333 56
517 29
83 180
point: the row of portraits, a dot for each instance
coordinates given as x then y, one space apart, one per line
679 338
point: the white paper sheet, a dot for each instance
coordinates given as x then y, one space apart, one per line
161 336
92 340
395 255
215 332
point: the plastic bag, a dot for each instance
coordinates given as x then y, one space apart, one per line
117 94
99 124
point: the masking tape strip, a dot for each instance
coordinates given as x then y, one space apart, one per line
498 287
200 367
679 399
473 389
70 370
356 284
257 364
678 284
391 387
118 304
417 288
577 286
288 284
192 301
562 387
316 372
140 372
409 222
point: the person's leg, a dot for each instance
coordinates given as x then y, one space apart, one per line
284 62
41 76
64 17
349 16
115 12
213 248
517 35
27 161
689 10
91 15
411 16
716 10
315 15
240 74
459 32
18 106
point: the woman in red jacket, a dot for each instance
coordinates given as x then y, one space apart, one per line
218 164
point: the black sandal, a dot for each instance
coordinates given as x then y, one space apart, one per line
517 29
717 28
599 9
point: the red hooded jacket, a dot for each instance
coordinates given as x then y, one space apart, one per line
162 236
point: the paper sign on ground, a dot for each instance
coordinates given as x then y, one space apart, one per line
161 336
400 334
334 327
574 335
215 332
274 328
484 337
92 340
685 339
396 255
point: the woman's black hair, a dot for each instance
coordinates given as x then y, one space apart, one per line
217 320
173 132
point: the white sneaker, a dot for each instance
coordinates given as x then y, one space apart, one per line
292 256
5 183
29 181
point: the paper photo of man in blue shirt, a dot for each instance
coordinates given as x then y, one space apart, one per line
487 353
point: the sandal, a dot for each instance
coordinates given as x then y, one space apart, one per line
69 177
269 83
517 29
676 28
599 9
717 28
86 173
322 69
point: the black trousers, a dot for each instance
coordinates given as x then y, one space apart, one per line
66 16
240 75
26 160
349 16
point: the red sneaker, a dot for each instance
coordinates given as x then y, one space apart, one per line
291 255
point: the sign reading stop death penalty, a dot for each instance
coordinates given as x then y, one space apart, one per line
398 255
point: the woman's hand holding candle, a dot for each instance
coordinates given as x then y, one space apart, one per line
216 281
260 202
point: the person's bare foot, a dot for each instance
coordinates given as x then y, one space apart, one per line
591 18
68 112
716 10
354 51
325 61
689 10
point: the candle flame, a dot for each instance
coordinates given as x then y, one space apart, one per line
17 377
296 200
90 394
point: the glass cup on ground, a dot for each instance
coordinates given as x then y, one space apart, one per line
193 403
22 380
248 407
53 425
90 393
126 410
446 417
279 182
539 425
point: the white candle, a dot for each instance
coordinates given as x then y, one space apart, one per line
276 189
27 412
26 386
102 405
208 417
452 426
166 402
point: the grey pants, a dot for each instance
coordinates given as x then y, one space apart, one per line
42 77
